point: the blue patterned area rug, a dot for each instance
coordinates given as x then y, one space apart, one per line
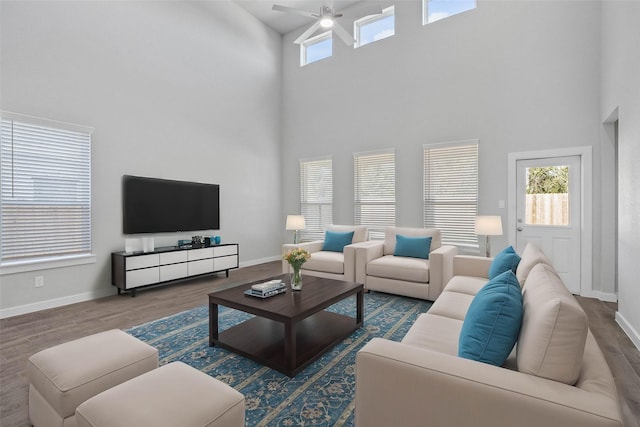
321 395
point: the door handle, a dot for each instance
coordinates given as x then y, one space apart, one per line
519 228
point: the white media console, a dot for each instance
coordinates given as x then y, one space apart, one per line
130 271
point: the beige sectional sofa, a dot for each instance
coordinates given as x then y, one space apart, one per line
555 376
380 270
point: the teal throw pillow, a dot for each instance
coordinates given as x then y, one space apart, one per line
414 247
506 260
335 242
492 324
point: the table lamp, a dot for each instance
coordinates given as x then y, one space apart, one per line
295 223
488 225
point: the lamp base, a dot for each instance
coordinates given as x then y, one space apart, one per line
487 247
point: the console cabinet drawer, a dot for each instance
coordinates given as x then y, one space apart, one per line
225 262
145 276
200 267
143 261
196 254
225 250
173 257
173 271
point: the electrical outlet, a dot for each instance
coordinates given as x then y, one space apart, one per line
39 281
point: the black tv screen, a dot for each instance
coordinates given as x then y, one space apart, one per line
152 205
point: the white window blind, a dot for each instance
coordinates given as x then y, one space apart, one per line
375 191
316 197
451 191
45 190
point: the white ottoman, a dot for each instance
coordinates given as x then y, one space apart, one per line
174 395
64 376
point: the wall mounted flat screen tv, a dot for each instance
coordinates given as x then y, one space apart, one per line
152 205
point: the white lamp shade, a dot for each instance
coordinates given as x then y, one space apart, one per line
488 225
295 222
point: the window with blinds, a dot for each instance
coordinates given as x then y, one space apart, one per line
316 197
45 190
451 191
375 191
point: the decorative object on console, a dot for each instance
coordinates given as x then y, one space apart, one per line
217 239
488 225
296 258
295 223
148 244
196 242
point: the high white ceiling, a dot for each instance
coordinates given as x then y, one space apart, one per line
285 22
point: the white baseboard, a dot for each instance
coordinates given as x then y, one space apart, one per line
72 299
604 296
57 302
628 329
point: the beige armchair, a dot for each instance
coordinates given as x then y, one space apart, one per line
332 265
379 270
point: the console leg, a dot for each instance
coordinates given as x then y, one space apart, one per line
119 291
227 273
133 293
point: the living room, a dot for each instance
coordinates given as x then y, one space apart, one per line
205 92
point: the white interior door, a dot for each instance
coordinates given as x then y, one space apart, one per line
548 212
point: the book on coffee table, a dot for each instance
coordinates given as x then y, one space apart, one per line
266 294
267 286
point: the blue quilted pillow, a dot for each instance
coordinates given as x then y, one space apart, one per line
506 260
492 324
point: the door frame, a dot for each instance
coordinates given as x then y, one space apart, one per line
586 203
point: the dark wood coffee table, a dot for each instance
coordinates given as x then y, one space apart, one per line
290 330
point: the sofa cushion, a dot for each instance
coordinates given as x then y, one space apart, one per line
390 237
452 304
335 241
492 323
469 285
399 268
328 262
531 256
506 260
413 247
554 328
434 333
360 232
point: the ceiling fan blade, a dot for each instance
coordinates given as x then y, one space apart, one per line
287 9
312 29
343 34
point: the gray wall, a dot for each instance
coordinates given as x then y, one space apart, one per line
519 76
621 100
178 90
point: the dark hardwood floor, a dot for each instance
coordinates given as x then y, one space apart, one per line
22 336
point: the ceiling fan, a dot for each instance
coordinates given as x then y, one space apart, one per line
325 18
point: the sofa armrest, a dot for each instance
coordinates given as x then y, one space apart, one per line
423 387
350 259
470 265
311 247
440 269
365 253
